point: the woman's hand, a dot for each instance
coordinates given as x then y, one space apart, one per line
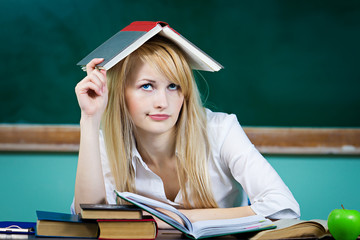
92 91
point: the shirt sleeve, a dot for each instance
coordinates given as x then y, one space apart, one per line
268 194
108 177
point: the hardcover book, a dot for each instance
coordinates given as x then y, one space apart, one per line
199 229
53 224
110 211
136 34
144 228
295 229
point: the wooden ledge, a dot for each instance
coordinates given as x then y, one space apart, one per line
305 140
39 138
65 138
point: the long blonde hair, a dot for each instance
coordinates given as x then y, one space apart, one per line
192 145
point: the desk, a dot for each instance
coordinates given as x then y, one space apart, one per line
162 235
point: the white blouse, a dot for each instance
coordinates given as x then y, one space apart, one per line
238 173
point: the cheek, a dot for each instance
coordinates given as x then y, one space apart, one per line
132 103
180 102
131 107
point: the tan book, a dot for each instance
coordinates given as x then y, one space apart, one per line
295 228
53 224
145 228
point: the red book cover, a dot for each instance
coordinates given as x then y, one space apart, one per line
143 26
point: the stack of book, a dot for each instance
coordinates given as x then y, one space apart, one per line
120 221
101 221
127 222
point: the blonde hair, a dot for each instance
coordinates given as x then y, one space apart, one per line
192 145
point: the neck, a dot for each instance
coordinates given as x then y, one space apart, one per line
156 149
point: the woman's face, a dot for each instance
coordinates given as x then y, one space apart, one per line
154 102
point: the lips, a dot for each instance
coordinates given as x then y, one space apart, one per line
159 117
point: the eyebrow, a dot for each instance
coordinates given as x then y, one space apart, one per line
145 79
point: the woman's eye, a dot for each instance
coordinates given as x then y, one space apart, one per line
146 86
173 86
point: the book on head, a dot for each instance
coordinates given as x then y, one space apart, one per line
110 211
53 224
136 34
199 229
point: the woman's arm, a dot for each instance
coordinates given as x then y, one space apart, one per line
92 96
268 194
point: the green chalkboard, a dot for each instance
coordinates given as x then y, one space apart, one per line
287 63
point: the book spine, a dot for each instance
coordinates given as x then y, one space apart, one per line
127 238
143 26
149 219
127 220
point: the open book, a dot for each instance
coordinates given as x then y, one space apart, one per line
294 228
199 229
137 33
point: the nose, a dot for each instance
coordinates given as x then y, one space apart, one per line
161 99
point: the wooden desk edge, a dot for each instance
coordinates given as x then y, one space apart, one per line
269 140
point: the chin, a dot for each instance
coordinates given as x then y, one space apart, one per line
159 131
156 129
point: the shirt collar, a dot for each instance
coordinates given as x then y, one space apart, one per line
136 157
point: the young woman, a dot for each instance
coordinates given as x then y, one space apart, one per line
144 130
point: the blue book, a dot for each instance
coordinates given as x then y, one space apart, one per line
53 224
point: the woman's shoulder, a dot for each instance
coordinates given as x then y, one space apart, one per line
219 125
220 118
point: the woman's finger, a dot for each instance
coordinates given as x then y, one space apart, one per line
103 71
99 75
94 78
92 64
89 83
89 88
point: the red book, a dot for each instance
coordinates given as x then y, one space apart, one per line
136 34
139 229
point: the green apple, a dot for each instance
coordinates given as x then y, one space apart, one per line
344 224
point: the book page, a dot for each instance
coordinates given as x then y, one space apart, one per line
197 58
235 225
150 206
